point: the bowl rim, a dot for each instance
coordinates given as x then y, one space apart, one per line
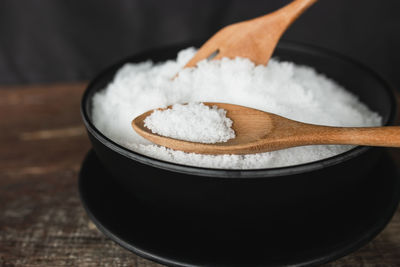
236 173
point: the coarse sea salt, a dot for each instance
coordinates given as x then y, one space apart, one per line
194 122
284 88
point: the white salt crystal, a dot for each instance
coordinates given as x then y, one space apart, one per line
194 122
284 88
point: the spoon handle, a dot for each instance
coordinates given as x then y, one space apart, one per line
388 136
294 9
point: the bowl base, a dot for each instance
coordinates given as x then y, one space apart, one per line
299 236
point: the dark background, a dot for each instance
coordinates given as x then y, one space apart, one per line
60 40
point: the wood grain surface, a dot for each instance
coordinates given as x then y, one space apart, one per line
42 222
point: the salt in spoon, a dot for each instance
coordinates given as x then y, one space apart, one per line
258 131
254 39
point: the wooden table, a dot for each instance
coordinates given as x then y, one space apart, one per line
42 222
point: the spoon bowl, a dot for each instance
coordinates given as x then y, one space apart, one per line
258 131
261 125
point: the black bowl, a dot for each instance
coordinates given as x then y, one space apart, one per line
247 194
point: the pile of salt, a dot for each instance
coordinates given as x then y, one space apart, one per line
284 88
193 122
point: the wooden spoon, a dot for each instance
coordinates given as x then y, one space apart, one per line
255 39
258 131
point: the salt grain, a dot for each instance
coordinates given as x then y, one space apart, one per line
284 88
194 122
